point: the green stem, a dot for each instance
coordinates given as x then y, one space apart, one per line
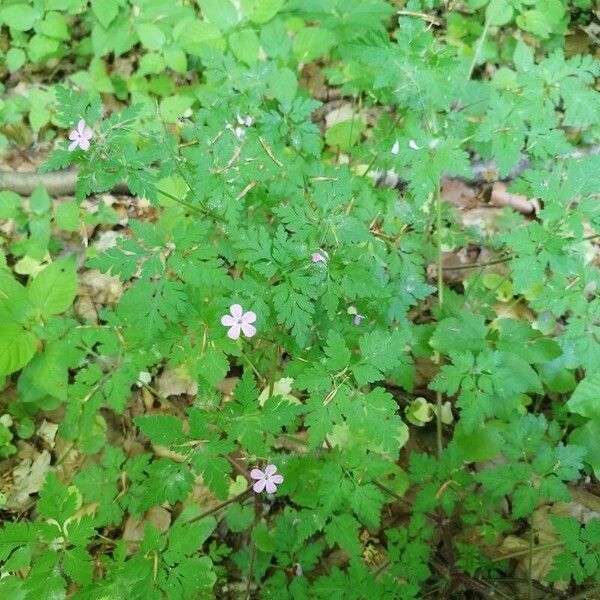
437 199
486 27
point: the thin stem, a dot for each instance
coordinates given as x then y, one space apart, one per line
486 27
273 370
217 508
419 15
530 563
519 553
180 201
440 289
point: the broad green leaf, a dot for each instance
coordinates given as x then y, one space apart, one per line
19 16
55 288
105 11
173 107
15 59
265 10
498 12
176 59
17 347
585 400
245 45
221 13
312 42
151 36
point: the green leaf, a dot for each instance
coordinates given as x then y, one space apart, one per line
585 400
588 436
17 347
40 201
239 518
161 429
105 11
19 16
311 43
176 59
151 36
345 134
498 12
66 216
15 59
15 535
55 288
343 531
58 501
245 45
173 107
54 25
221 13
467 332
265 10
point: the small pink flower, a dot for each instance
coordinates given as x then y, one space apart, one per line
238 321
358 319
80 137
266 480
320 257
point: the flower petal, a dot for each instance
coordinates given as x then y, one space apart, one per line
249 330
84 144
74 135
270 470
236 310
228 320
257 474
87 133
271 487
249 317
81 127
73 145
278 479
234 332
259 486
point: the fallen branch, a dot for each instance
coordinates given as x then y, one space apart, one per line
58 183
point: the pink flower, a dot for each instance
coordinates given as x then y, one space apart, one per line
266 479
320 257
358 319
80 137
238 321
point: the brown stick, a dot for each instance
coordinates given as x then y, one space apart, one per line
58 183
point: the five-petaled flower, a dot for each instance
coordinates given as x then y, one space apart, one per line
318 257
80 137
238 321
266 479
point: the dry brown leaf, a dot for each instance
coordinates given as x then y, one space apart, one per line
502 197
173 382
28 479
